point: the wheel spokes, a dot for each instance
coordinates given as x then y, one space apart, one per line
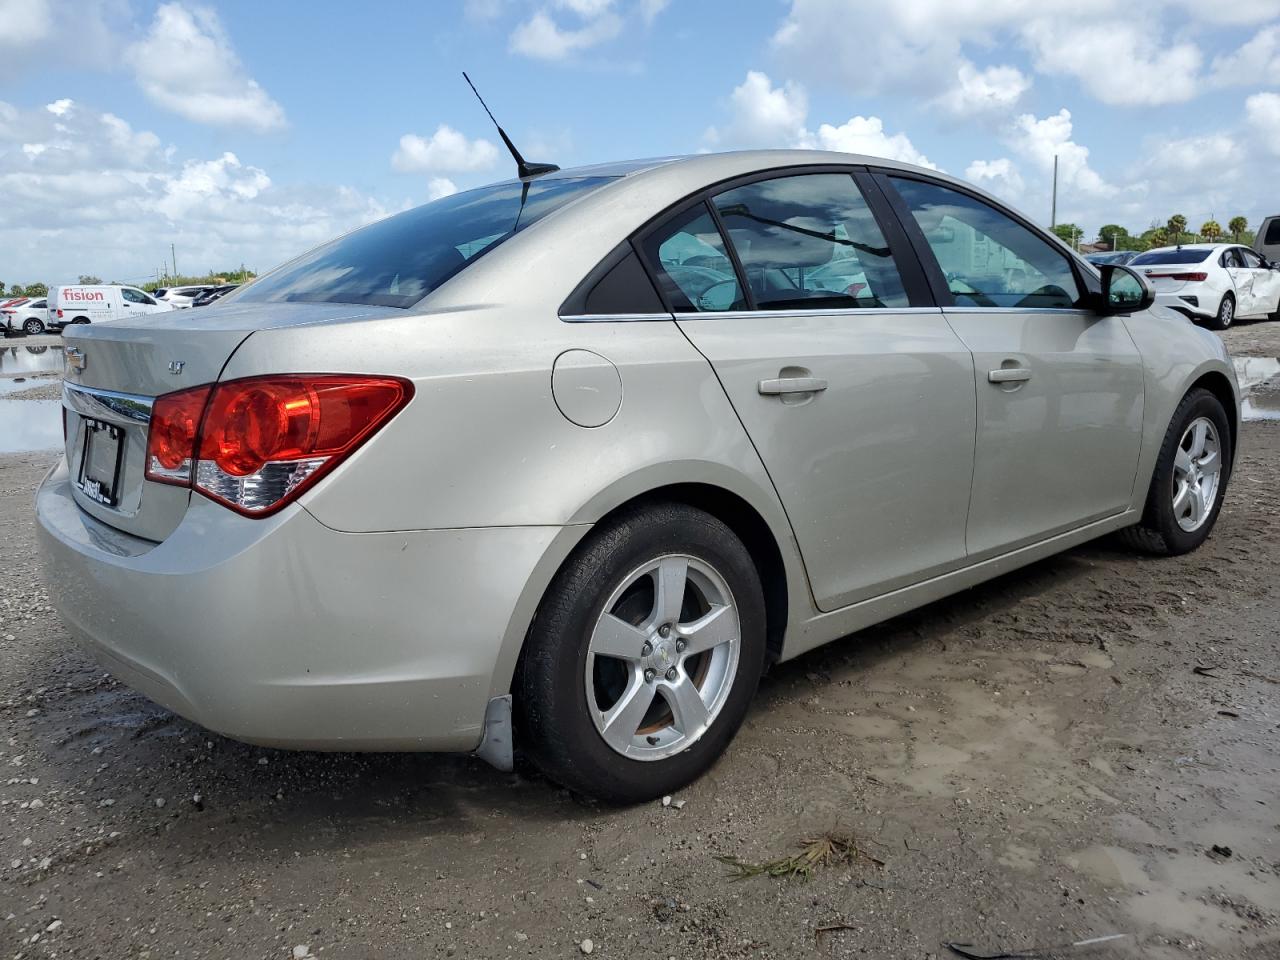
1182 462
669 584
623 719
686 704
708 631
614 637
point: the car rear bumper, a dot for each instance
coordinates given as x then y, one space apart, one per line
284 632
1190 304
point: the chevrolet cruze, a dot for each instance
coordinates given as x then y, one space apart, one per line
562 464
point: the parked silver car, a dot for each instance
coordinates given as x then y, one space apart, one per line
567 463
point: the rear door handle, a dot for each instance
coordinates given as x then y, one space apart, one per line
1009 375
773 388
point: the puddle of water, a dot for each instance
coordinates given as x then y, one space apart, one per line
27 425
1254 373
16 361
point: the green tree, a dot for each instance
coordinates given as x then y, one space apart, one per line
1111 234
1210 230
36 290
1156 237
1069 233
1176 227
88 279
1237 226
15 290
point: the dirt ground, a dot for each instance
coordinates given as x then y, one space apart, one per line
1088 747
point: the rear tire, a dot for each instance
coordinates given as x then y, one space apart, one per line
1226 313
1196 447
33 327
626 725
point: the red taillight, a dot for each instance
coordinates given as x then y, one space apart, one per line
256 444
59 313
171 443
1186 277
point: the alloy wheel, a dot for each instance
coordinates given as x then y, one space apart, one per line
1197 474
662 657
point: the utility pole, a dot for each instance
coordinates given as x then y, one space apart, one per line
1053 215
174 254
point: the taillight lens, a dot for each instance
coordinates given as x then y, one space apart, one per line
256 444
1186 277
59 313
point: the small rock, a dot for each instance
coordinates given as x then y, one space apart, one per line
522 937
666 801
1221 850
301 951
51 928
36 804
159 801
582 856
586 946
679 804
262 761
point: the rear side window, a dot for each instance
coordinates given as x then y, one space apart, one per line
692 265
1273 232
1180 255
1251 260
398 261
987 257
810 242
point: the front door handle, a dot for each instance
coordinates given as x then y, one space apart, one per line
774 388
1009 375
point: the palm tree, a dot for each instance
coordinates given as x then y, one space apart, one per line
1237 226
1210 230
1159 237
1176 227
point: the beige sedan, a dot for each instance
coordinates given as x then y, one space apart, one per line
562 465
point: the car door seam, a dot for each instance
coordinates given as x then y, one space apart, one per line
977 427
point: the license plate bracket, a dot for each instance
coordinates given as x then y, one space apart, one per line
99 478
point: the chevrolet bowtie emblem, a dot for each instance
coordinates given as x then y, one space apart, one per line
75 358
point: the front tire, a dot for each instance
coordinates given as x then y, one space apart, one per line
1190 479
644 656
1226 313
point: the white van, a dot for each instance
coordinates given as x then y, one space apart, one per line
99 304
1267 241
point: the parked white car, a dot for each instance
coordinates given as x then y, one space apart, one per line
98 303
1213 282
1267 241
30 316
181 297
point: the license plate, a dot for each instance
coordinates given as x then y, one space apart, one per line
100 462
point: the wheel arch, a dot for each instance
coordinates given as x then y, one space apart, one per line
773 551
1217 383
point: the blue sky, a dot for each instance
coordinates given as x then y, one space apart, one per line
250 131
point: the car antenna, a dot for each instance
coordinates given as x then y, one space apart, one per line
524 169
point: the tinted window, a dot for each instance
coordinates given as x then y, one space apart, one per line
39 305
398 261
810 242
988 258
133 296
692 267
625 288
1181 255
1273 232
1251 259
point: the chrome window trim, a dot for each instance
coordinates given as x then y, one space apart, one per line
93 402
744 314
1017 310
614 317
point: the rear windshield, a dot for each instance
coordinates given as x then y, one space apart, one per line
398 261
1170 256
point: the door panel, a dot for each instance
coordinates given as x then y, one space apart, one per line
1059 448
874 470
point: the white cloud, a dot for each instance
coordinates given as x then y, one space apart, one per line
1263 113
650 9
86 192
438 187
993 90
24 22
1001 177
762 115
186 64
59 107
1257 60
867 135
1116 61
586 8
445 151
1041 140
920 47
541 38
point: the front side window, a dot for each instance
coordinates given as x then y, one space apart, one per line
1251 260
810 242
398 261
133 296
692 267
988 258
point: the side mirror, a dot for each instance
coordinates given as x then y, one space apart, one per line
1124 290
